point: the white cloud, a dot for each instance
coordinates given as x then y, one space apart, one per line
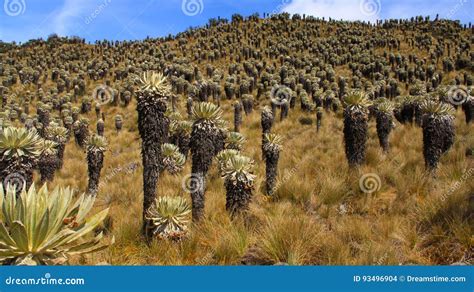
451 9
366 10
66 20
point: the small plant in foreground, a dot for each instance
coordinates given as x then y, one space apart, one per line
167 218
43 227
239 183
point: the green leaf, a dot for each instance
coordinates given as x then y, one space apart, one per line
19 235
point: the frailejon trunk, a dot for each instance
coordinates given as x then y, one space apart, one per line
118 125
202 150
418 112
43 118
47 167
173 138
292 102
153 127
219 141
327 103
448 134
274 109
468 108
248 106
237 117
182 142
197 187
407 113
95 161
189 107
82 135
267 123
271 169
319 118
384 127
284 111
438 136
60 160
100 128
355 136
238 197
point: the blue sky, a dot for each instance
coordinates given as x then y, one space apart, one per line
21 20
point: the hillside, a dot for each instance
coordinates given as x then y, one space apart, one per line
390 209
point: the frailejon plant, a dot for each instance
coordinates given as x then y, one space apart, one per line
42 227
468 108
173 159
272 148
4 123
118 123
239 183
43 112
408 109
438 131
48 161
189 107
20 150
267 123
100 127
234 140
153 126
59 135
81 131
96 146
237 116
183 129
168 218
385 123
247 103
356 127
284 109
223 158
206 141
319 118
